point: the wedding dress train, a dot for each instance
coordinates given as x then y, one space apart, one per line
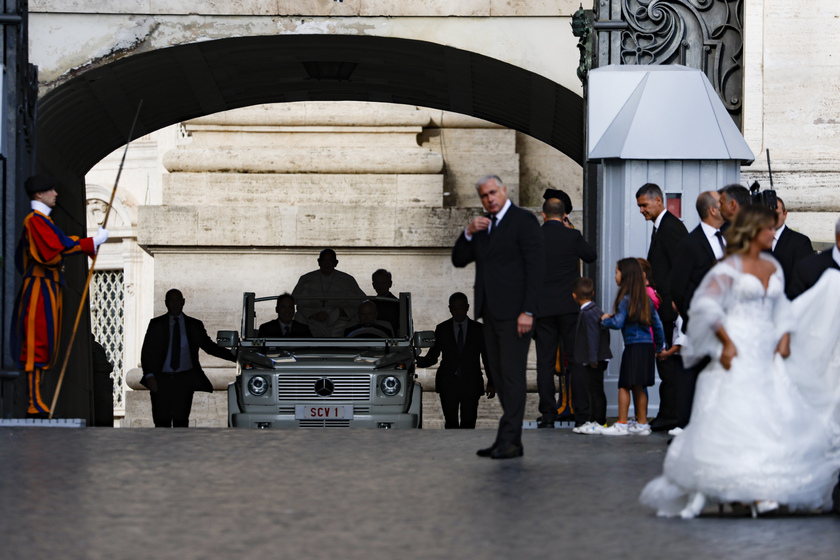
767 429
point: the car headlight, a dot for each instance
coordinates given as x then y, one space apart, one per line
390 385
258 385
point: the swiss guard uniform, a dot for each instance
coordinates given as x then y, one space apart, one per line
37 318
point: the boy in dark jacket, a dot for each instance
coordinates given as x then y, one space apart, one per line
589 358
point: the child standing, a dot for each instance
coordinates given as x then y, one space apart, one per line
589 358
634 315
650 288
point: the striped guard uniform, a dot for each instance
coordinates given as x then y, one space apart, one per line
37 319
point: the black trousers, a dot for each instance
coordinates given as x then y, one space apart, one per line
667 416
686 382
588 397
456 398
550 332
172 402
507 359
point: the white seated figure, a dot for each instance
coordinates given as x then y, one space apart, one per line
328 299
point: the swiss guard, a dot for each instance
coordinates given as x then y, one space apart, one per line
39 258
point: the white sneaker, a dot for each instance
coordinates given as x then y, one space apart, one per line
616 429
631 422
639 429
590 429
675 431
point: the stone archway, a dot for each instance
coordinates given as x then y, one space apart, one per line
86 118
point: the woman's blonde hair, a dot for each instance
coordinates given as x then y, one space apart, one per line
751 219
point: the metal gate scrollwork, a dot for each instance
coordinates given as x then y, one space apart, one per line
704 34
107 315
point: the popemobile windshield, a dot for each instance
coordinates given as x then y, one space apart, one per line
363 379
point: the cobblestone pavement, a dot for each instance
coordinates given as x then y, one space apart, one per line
217 493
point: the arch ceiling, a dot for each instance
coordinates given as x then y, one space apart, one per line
89 116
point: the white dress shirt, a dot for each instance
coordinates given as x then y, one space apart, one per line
778 235
710 232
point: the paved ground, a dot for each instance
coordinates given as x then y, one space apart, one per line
217 493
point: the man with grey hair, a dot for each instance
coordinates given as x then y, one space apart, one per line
733 198
506 246
808 271
668 232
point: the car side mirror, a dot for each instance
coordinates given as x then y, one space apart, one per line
424 339
227 339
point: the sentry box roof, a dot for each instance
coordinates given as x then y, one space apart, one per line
659 112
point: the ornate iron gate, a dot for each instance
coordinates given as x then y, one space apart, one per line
107 314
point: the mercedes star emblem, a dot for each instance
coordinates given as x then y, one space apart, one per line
324 387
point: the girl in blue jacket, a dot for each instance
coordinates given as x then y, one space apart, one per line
634 314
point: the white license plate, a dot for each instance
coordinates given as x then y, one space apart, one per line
323 412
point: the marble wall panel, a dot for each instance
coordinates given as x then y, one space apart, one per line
268 189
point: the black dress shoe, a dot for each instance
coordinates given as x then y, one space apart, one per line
506 451
487 451
658 425
545 424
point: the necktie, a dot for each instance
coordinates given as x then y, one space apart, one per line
285 331
175 359
652 235
492 224
719 236
460 345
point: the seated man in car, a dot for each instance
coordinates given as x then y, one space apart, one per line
387 304
327 298
368 326
284 326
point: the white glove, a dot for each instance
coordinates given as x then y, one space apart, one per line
100 237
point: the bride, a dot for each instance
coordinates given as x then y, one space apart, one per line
763 430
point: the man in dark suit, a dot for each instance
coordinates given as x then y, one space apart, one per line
789 247
698 253
507 248
171 370
808 271
284 326
558 312
668 232
458 380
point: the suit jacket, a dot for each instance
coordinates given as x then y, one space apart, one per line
509 265
592 340
272 329
694 259
564 248
791 248
446 344
156 345
807 272
663 251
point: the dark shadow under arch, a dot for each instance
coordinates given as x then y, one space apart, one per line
88 117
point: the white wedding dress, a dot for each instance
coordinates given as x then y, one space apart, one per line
768 428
